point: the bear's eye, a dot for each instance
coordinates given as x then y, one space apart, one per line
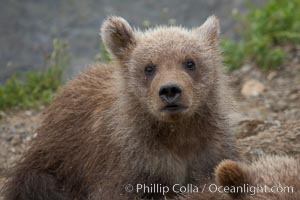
189 64
149 69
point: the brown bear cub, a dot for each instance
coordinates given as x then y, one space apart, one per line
269 178
155 115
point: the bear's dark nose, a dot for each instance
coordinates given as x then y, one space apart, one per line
170 92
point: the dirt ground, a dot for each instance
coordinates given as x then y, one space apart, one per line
270 122
267 120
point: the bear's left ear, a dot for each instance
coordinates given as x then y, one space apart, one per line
118 37
232 174
209 30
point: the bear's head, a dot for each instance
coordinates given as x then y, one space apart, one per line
171 71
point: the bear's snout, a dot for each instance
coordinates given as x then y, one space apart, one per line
170 93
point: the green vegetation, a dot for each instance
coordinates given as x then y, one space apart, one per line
104 53
264 29
35 88
103 56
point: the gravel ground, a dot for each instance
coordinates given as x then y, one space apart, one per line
267 122
270 122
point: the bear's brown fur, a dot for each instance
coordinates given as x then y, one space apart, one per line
110 126
280 175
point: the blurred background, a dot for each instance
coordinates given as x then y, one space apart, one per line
29 27
44 43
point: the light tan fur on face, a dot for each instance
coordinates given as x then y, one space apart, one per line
168 48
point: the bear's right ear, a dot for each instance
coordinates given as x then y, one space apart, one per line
118 37
233 174
209 30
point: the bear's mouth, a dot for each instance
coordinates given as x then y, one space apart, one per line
173 108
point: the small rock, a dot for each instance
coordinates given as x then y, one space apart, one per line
252 88
20 125
28 112
246 68
279 106
13 149
272 75
16 141
2 181
293 97
9 138
12 130
2 114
